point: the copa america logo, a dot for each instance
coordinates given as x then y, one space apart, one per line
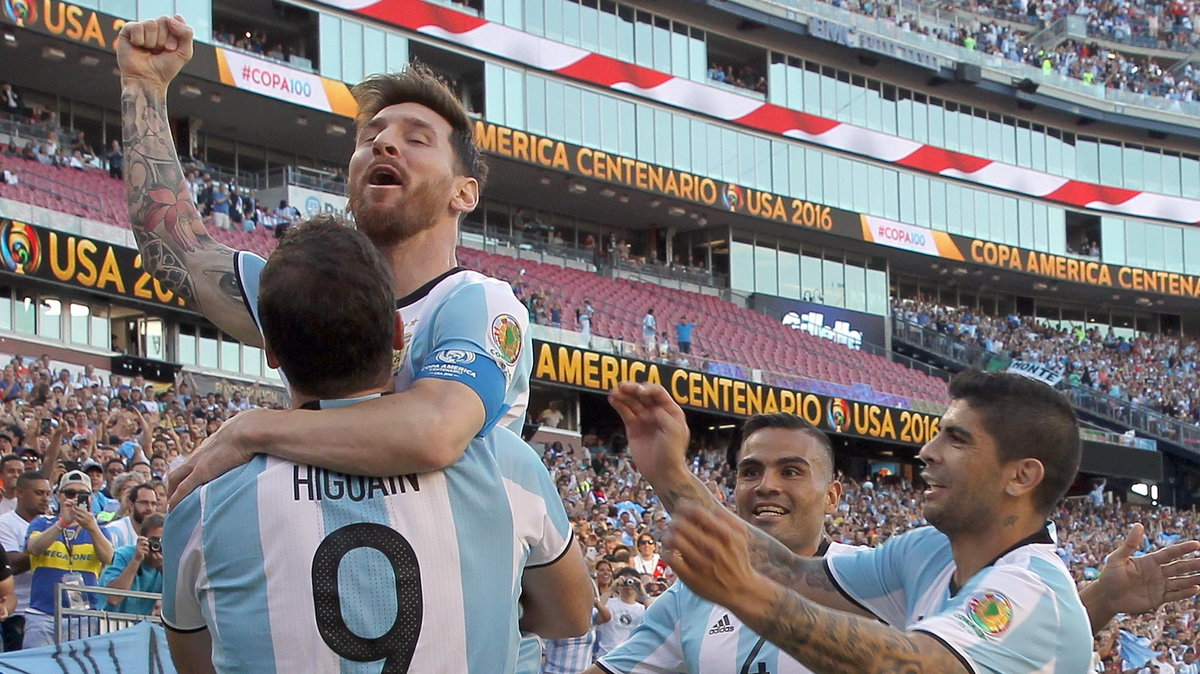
838 414
20 248
456 356
20 12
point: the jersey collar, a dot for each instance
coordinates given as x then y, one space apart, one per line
421 292
335 403
1042 535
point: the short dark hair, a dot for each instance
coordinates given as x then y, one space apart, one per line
153 521
418 84
9 457
30 476
627 571
1027 419
327 306
776 420
137 488
119 462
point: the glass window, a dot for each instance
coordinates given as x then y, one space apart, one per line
330 28
610 125
762 166
534 14
374 51
874 197
858 105
1054 160
1112 240
589 26
789 274
874 109
49 318
741 266
832 167
1041 227
590 104
1172 248
608 28
397 52
514 99
555 118
1024 223
1189 171
231 354
572 115
954 208
535 105
917 188
891 194
904 123
352 51
80 313
570 22
626 113
554 19
810 279
729 158
1110 164
860 195
856 287
1058 231
834 286
829 106
1134 167
680 52
252 358
1008 143
152 337
1135 243
1070 169
813 177
101 333
493 90
949 122
780 168
643 35
662 44
26 312
625 30
937 205
1037 151
766 270
698 54
1191 251
645 134
664 131
877 292
1011 235
995 139
186 351
208 348
1153 171
701 137
1171 174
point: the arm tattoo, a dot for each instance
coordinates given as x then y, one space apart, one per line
169 230
831 641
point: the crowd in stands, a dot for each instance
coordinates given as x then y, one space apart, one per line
227 206
1171 22
257 42
744 77
83 457
1158 372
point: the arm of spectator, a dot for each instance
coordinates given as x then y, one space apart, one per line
8 597
422 429
658 439
175 246
1129 584
557 597
191 651
603 615
50 461
124 569
18 561
100 543
147 429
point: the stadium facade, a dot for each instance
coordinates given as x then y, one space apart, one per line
842 164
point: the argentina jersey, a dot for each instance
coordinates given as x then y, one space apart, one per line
1020 614
293 568
463 326
683 633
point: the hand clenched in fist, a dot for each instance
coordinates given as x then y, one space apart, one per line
155 50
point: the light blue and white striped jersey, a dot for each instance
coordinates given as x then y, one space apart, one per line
461 326
297 569
685 634
1020 614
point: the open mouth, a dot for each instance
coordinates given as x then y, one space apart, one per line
767 512
384 176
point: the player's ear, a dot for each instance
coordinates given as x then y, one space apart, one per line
1026 475
272 361
398 339
833 497
466 195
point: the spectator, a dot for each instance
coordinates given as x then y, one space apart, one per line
220 207
583 317
285 216
33 501
12 176
551 416
624 611
73 535
116 160
683 334
137 567
140 501
649 332
11 467
13 102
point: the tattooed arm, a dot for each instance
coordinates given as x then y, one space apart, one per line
658 438
175 246
709 554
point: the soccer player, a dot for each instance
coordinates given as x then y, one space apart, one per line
999 591
415 171
282 566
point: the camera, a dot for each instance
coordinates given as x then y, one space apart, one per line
82 499
631 582
155 544
48 423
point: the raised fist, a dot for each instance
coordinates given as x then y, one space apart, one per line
155 50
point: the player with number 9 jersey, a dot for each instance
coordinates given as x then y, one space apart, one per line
295 568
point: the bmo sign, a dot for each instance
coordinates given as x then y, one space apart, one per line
850 328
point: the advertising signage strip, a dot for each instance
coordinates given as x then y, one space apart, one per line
80 262
1057 267
282 82
546 54
586 370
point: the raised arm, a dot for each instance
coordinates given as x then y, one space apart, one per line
169 231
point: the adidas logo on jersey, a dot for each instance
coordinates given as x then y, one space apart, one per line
721 626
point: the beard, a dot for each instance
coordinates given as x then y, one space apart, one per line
396 222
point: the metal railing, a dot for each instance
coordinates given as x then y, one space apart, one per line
1118 410
80 623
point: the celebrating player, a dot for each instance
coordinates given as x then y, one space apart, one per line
265 568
